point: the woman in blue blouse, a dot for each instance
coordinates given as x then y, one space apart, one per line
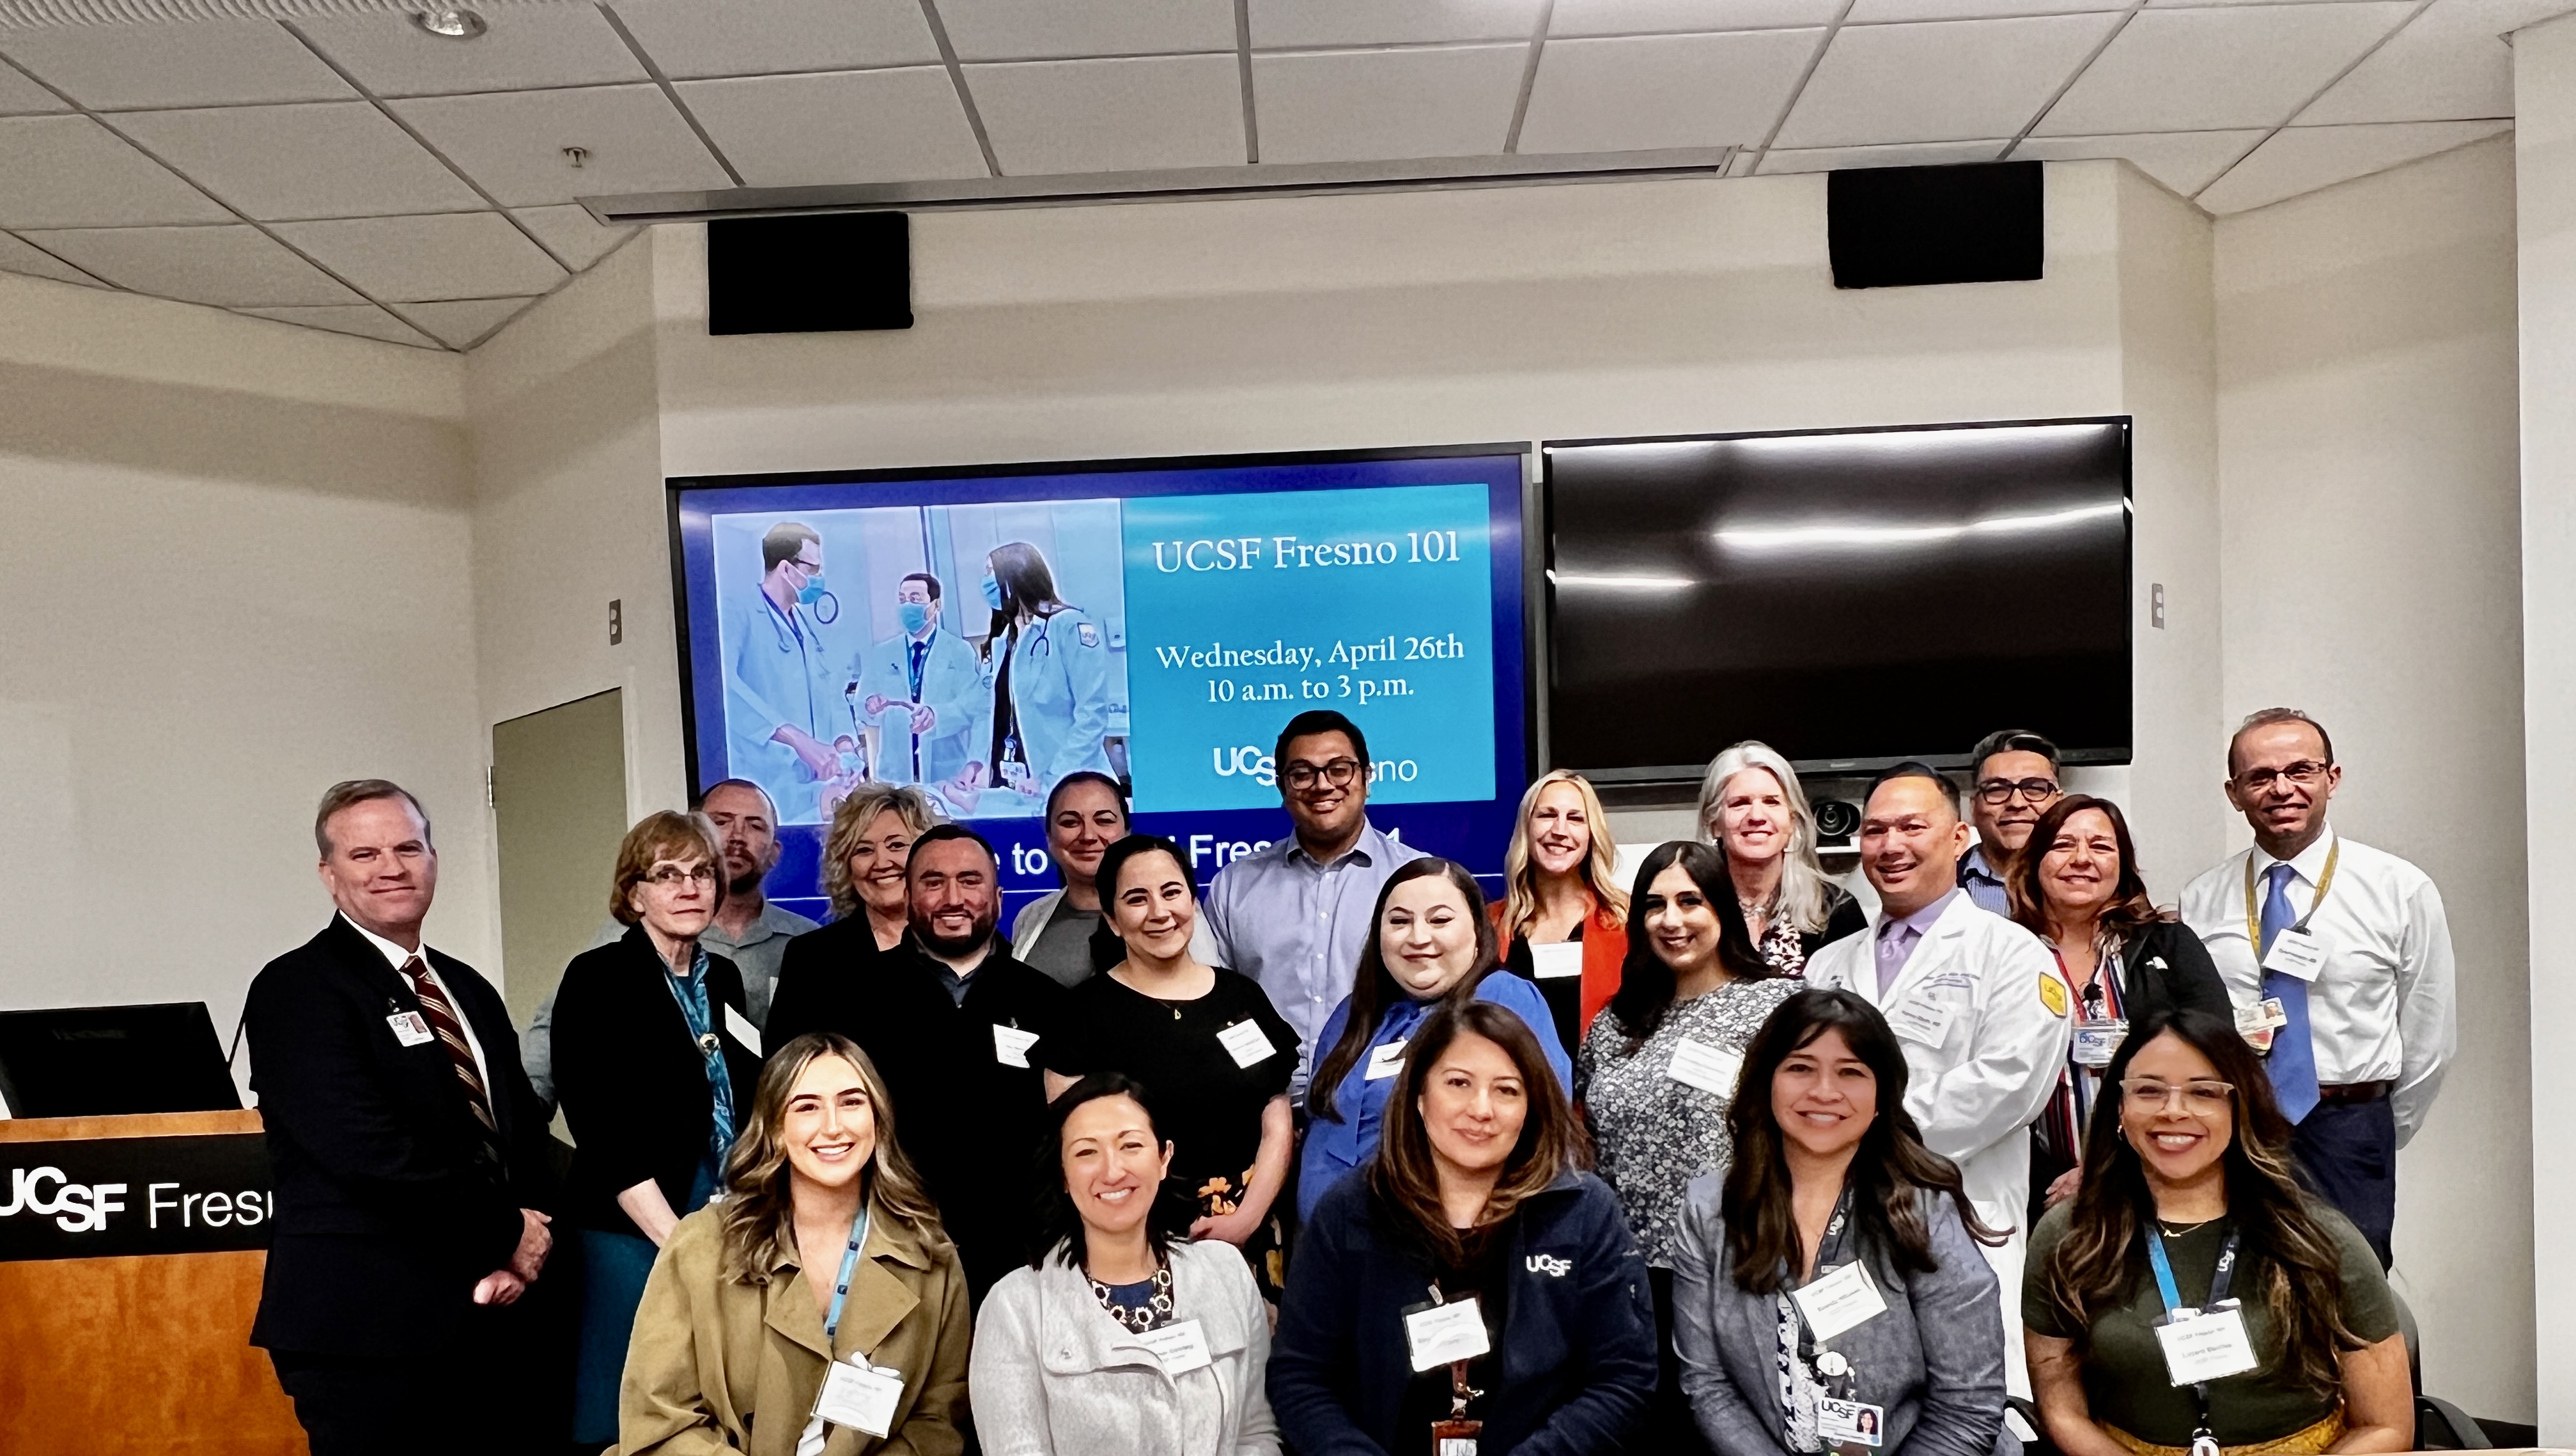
1434 944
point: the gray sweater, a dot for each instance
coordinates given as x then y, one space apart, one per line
1053 1375
1934 1361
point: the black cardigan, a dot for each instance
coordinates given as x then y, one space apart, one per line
630 1077
1843 916
2165 967
816 975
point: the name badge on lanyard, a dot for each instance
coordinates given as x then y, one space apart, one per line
861 1396
2206 1344
1835 1302
1848 1422
2097 1041
1444 1333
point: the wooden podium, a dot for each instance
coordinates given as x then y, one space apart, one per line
134 1351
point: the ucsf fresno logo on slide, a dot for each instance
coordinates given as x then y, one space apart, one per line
1248 760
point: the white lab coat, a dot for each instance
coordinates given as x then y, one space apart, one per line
777 673
1976 1091
952 685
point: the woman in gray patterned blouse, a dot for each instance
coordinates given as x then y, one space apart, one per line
1658 1070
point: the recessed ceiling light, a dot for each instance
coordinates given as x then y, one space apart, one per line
451 23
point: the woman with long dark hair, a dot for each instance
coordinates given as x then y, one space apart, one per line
1474 1284
824 1272
1657 1072
1432 944
1048 663
1122 1337
1830 1286
2075 884
2189 1211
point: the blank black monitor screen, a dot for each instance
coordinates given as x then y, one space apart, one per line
1850 598
96 1061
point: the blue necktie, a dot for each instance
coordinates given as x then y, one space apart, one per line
920 650
2293 1063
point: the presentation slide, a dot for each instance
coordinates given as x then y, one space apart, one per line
982 635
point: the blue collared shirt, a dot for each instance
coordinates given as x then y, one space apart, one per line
1979 879
1296 926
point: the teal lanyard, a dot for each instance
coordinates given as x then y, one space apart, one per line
841 1286
2203 1443
698 1010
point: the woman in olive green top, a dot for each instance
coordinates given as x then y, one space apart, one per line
2186 1169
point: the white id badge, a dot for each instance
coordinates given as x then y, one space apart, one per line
2206 1345
743 1031
1179 1348
2096 1041
1445 1333
1011 1045
1848 1422
1555 962
1923 1021
1710 1069
410 1027
2296 952
1247 1043
1384 1062
861 1397
1832 1303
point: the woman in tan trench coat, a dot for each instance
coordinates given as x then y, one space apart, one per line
824 1258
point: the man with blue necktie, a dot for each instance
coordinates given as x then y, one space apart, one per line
920 690
2338 958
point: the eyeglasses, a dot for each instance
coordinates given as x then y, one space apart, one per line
1338 773
671 876
2305 773
2201 1099
2001 791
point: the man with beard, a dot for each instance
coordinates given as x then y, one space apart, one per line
958 1029
747 930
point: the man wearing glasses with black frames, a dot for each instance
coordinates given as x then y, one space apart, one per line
2016 781
2338 958
1293 914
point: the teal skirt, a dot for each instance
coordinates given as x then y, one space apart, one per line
614 1267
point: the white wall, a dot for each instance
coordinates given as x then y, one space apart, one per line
2370 551
234 571
2544 87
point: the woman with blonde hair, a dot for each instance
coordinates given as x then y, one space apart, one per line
654 1051
823 1273
863 865
1563 918
1750 806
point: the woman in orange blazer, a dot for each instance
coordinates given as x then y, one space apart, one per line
1562 918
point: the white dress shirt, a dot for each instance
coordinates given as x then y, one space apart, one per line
2382 1007
399 958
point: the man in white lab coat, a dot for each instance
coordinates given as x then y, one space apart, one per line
1976 1000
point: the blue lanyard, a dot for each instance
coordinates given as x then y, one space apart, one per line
2202 1442
698 1010
841 1286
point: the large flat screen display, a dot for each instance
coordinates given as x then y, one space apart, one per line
1851 598
984 632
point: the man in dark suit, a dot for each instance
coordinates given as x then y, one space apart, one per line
409 1159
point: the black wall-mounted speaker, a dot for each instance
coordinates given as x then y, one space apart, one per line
1899 227
809 275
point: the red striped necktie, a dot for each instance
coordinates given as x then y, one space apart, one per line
450 1030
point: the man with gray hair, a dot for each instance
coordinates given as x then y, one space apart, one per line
2338 957
408 1157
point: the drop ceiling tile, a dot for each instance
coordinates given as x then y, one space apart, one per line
319 159
1679 17
1917 154
196 63
2304 158
2449 62
513 142
1111 116
1014 30
365 320
22 97
847 126
1350 106
2231 66
24 257
232 266
528 47
69 171
2183 161
449 255
1939 81
1628 93
1880 12
689 38
1296 24
574 235
465 322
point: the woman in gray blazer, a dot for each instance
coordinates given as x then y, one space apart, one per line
1829 1293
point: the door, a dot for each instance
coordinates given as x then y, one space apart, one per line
558 810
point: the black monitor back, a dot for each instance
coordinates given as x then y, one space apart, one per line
91 1061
